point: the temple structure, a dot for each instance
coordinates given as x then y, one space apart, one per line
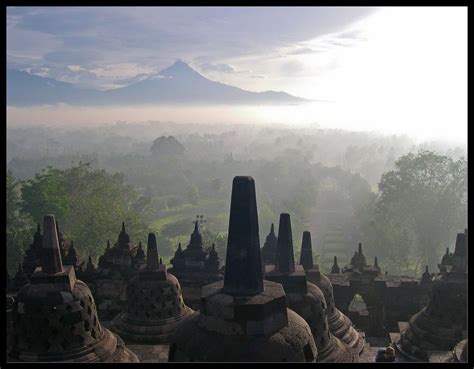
155 303
195 267
32 258
305 298
388 299
54 318
335 268
116 266
442 323
339 324
269 248
243 318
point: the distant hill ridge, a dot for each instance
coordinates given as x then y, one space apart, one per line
178 83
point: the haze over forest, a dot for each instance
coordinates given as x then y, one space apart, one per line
353 120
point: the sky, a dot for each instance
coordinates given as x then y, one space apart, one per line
390 69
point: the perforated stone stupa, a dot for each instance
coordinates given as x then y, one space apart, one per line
305 298
243 318
339 324
54 318
155 303
443 322
195 266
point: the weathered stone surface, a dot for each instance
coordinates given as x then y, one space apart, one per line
154 309
339 324
54 318
293 343
442 323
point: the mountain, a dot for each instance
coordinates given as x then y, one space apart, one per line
178 83
25 89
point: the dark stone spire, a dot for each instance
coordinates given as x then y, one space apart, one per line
161 261
376 264
37 236
71 257
123 238
212 262
269 248
426 277
460 254
32 258
285 253
243 271
90 265
152 253
140 252
360 248
335 268
196 238
51 254
108 246
306 259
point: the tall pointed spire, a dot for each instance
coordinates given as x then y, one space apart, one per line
335 268
152 253
272 229
376 264
243 271
108 246
38 228
285 253
306 259
51 255
196 228
123 227
360 248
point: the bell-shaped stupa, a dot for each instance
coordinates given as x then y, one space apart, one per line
243 318
441 324
55 317
155 303
303 297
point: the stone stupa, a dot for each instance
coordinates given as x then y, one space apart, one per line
339 324
243 318
54 317
441 324
155 303
303 297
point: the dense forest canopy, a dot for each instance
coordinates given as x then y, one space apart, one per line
404 201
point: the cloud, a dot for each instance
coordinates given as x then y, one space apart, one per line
153 37
292 68
222 68
302 51
257 76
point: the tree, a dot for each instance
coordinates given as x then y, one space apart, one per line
425 195
89 205
164 147
19 227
